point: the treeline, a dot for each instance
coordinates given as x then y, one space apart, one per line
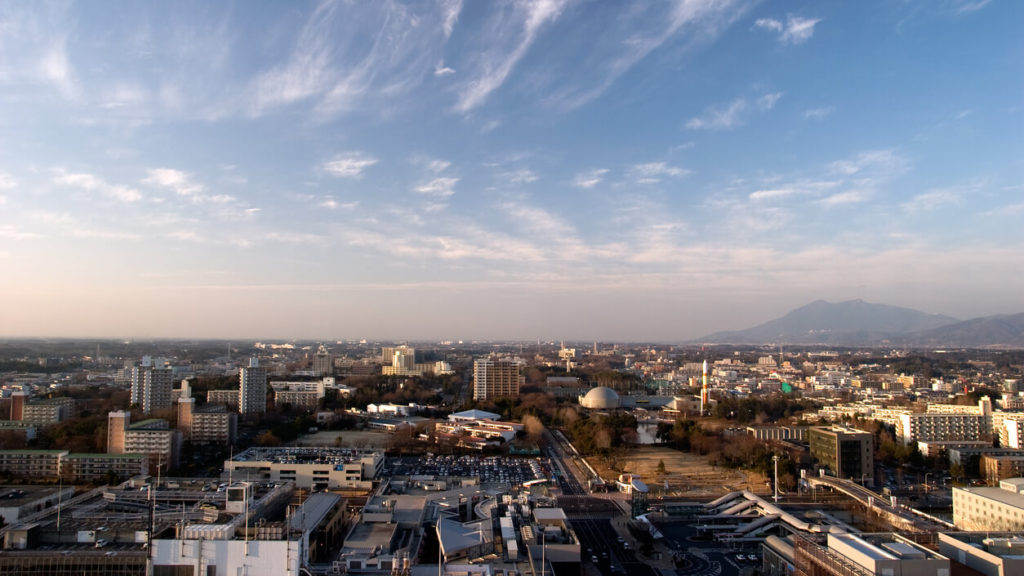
762 410
602 434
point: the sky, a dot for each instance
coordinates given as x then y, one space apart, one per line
555 169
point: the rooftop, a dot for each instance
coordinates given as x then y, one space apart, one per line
302 455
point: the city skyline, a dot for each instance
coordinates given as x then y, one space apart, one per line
551 169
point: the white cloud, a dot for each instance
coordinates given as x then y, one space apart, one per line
796 30
93 183
437 166
442 70
771 194
734 114
844 198
349 165
637 31
653 172
590 178
174 180
971 6
12 233
931 200
769 24
497 61
332 204
450 10
439 187
819 112
523 176
56 69
885 161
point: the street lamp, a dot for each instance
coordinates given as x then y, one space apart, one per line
926 475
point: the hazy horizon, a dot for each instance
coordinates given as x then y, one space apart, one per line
553 169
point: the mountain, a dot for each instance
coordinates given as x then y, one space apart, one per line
851 323
1004 330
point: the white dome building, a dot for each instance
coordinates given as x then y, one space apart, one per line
600 398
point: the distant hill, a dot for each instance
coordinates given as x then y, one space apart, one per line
1004 330
851 323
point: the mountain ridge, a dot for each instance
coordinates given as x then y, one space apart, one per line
851 322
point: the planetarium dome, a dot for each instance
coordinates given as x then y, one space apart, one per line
600 398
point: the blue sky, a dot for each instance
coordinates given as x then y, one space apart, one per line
531 169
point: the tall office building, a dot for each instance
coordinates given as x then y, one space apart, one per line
151 387
493 378
252 390
323 363
844 452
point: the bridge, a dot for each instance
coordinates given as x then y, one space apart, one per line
902 517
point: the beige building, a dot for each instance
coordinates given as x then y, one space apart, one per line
49 464
99 467
989 554
313 467
208 424
153 437
47 410
494 378
982 508
226 397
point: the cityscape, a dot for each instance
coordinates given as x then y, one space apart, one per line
512 288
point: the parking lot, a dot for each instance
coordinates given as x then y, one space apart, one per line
490 469
707 557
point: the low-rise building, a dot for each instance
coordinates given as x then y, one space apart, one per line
309 467
226 397
207 424
48 410
983 508
153 437
989 554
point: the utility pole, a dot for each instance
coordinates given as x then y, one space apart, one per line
775 459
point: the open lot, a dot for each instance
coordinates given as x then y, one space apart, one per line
349 439
687 474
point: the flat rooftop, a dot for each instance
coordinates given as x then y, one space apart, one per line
302 455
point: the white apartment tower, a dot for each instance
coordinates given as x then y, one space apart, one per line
252 389
151 387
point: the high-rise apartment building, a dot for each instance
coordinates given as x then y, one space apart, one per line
252 389
323 363
494 378
151 388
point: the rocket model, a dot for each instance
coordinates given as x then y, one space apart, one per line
704 389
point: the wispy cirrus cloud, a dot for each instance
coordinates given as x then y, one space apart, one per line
590 178
521 176
796 29
819 113
640 29
344 55
501 53
93 183
349 165
734 114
